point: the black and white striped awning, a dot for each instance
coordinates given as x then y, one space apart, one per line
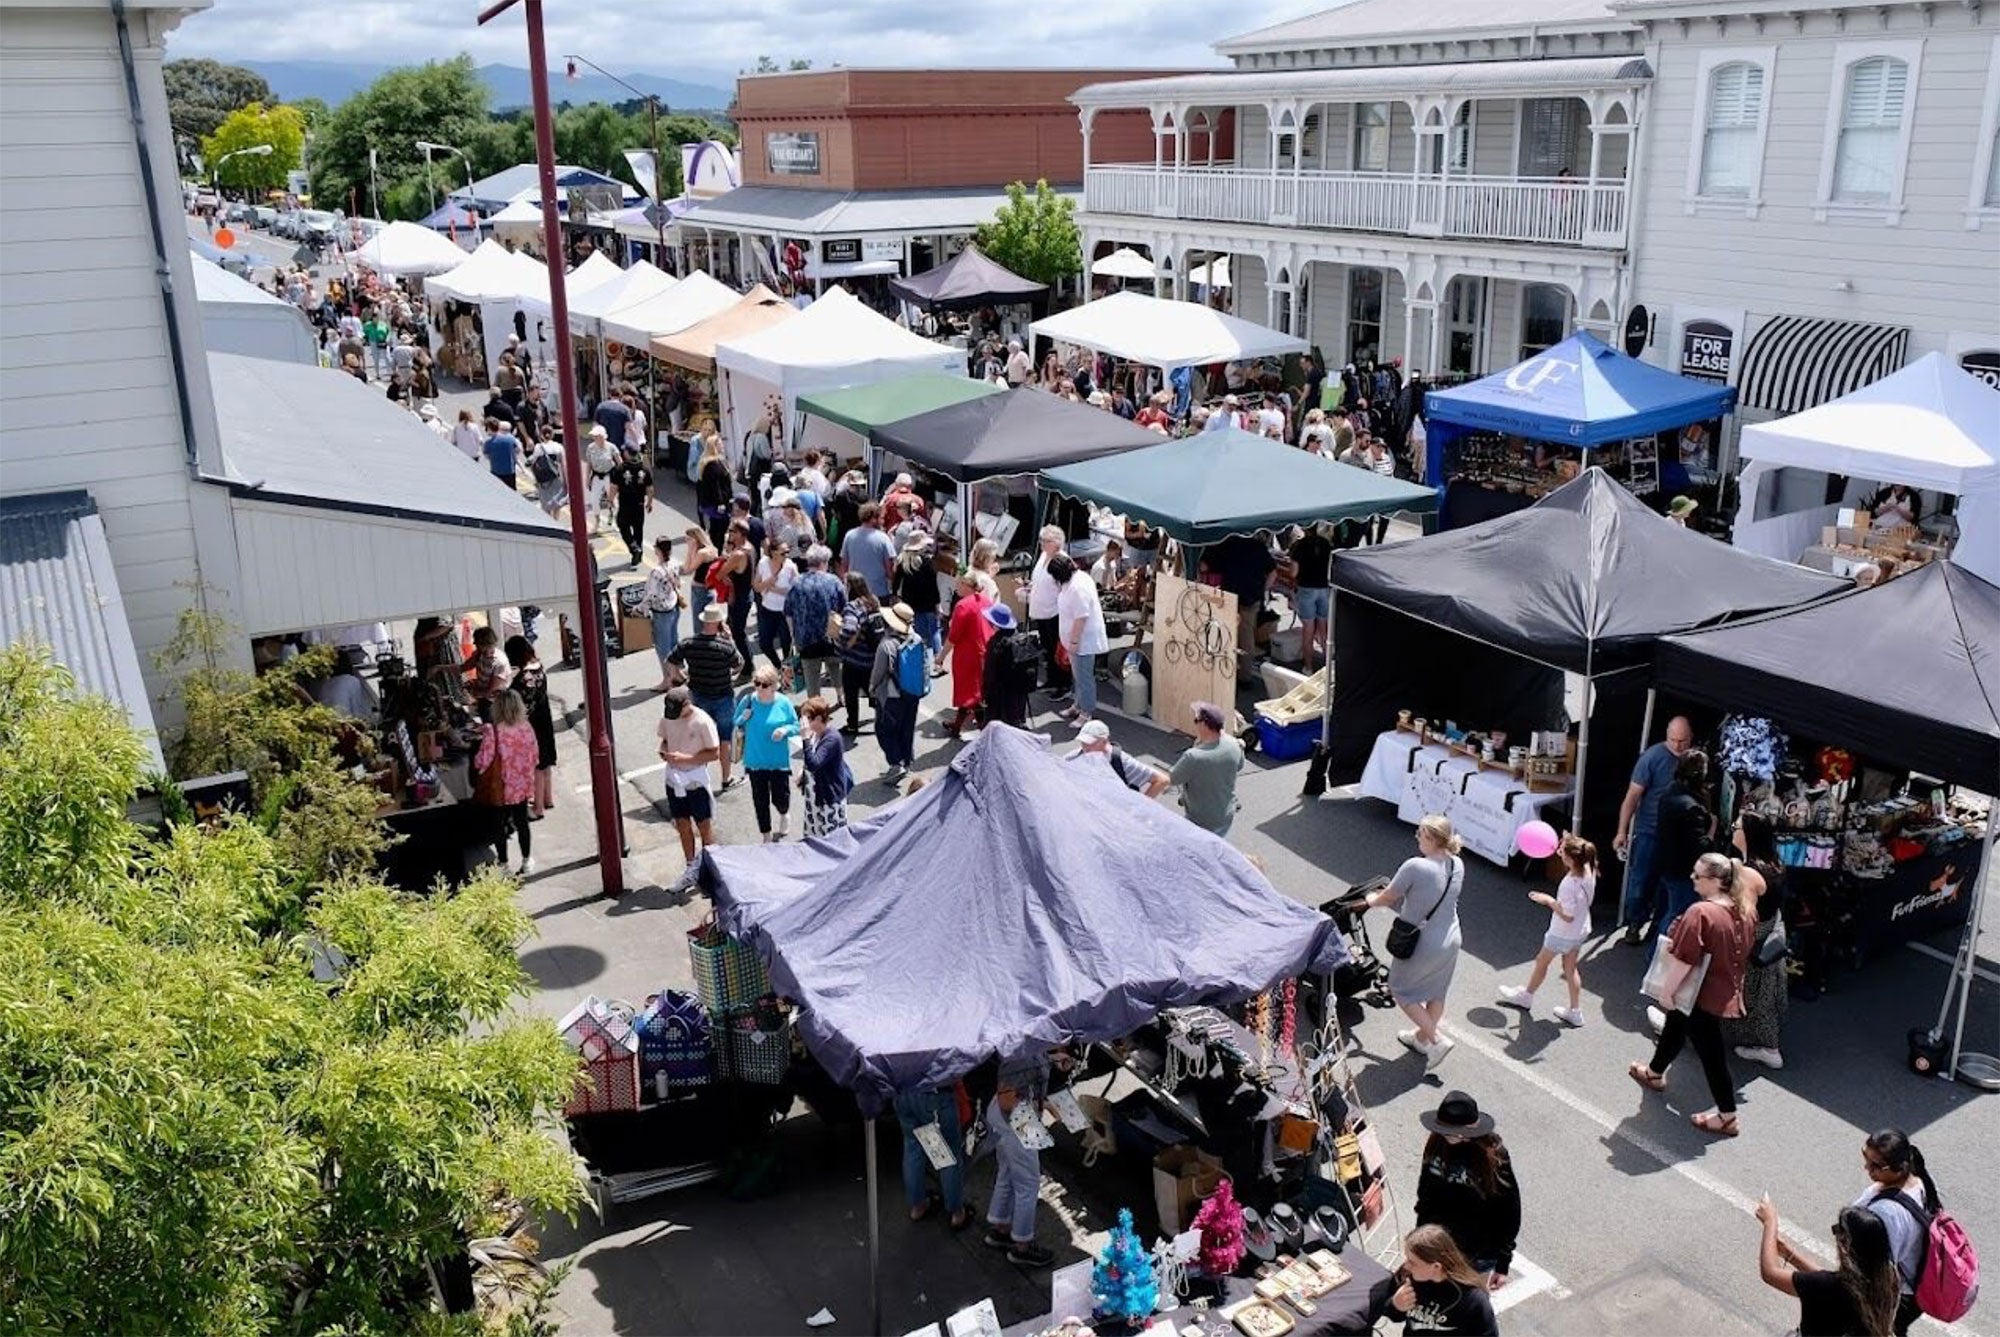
1794 362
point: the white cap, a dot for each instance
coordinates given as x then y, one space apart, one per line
1096 731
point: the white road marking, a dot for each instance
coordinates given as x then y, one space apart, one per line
1524 1282
629 776
1950 959
1479 1043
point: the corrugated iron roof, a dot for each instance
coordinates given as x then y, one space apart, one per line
58 588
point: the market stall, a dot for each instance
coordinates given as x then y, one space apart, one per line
1932 427
840 420
1124 263
1898 681
1501 443
601 362
691 346
409 250
1472 631
1162 333
835 342
478 304
968 283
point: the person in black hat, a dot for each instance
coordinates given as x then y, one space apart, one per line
1467 1185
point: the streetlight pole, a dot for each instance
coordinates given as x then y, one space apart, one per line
659 209
215 168
429 148
603 766
430 182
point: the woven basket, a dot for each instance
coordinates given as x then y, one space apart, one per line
676 1047
754 1044
727 973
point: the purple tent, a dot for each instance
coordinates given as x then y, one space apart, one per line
1019 901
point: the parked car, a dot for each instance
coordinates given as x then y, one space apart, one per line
263 216
316 226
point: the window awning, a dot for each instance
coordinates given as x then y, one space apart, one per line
1796 362
59 589
348 509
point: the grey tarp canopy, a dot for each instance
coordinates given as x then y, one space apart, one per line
966 282
1018 902
1907 672
1203 488
1019 431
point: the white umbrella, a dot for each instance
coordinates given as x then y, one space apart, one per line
1124 263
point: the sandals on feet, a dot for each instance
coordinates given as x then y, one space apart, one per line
1647 1078
1717 1125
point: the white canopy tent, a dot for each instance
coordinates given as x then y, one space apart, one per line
520 221
1931 426
502 284
688 302
403 250
835 342
628 287
1123 263
1157 332
1214 274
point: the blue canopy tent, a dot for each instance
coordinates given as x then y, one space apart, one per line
1581 393
1039 898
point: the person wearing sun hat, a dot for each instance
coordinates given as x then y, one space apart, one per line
1094 740
1467 1185
1013 665
1681 510
895 708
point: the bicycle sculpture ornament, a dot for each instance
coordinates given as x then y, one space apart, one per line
1202 640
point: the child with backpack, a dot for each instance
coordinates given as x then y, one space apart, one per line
900 680
1935 1260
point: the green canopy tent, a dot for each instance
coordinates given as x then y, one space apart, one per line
1203 488
863 408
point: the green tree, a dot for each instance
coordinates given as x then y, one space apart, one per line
443 102
202 93
197 1134
1034 234
282 127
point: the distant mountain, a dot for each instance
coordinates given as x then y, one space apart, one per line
335 81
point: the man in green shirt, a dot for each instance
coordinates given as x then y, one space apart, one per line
375 333
1206 772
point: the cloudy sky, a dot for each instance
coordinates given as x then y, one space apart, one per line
716 38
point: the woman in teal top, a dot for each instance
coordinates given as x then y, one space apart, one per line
765 721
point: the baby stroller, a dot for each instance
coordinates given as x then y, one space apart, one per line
1365 977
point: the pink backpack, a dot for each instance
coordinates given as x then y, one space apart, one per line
1948 1277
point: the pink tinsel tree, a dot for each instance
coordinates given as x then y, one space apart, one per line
1220 1221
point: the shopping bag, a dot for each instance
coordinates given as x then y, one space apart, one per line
1654 984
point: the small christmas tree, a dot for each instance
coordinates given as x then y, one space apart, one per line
1220 1221
1122 1282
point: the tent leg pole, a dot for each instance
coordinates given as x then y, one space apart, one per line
1645 732
874 1232
1326 706
1582 754
1968 960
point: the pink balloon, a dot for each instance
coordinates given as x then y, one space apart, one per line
1537 840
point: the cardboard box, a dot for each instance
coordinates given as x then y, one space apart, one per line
1182 1177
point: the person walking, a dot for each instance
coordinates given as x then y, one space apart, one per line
812 607
934 1108
1424 893
689 741
772 582
1717 928
1080 623
1902 1193
531 680
1042 592
631 485
503 453
766 721
695 564
1756 1036
1467 1185
824 776
1437 1292
739 568
1569 925
663 603
1856 1297
465 434
965 644
867 551
1206 772
1013 666
861 631
710 663
505 767
713 488
900 677
1638 825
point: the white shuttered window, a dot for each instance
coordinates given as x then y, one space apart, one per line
1871 131
1730 141
1371 137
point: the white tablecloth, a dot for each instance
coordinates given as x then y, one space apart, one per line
1486 807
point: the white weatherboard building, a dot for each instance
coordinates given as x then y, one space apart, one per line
143 483
1801 196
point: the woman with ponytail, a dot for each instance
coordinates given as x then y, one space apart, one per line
1720 927
1856 1298
1899 1181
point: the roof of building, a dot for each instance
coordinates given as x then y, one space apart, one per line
58 588
1379 22
1362 81
510 184
836 212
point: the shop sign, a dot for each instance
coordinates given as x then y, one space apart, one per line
792 153
840 251
1638 331
882 248
1985 364
1706 349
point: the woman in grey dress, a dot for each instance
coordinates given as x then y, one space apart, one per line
1424 892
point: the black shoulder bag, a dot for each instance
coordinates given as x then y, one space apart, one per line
1404 936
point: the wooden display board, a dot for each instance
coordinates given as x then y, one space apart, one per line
1194 649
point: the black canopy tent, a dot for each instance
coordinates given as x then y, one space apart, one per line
1907 672
967 282
1584 581
1020 431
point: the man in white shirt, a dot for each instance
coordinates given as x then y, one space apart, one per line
343 691
1042 591
1019 369
1094 740
636 430
1080 618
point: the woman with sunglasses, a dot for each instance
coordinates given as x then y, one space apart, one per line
1898 1182
1720 927
766 722
1854 1298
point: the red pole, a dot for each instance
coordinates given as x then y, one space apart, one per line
603 766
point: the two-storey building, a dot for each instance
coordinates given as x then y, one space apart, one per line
1449 183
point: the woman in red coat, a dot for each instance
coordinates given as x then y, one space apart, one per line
965 644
